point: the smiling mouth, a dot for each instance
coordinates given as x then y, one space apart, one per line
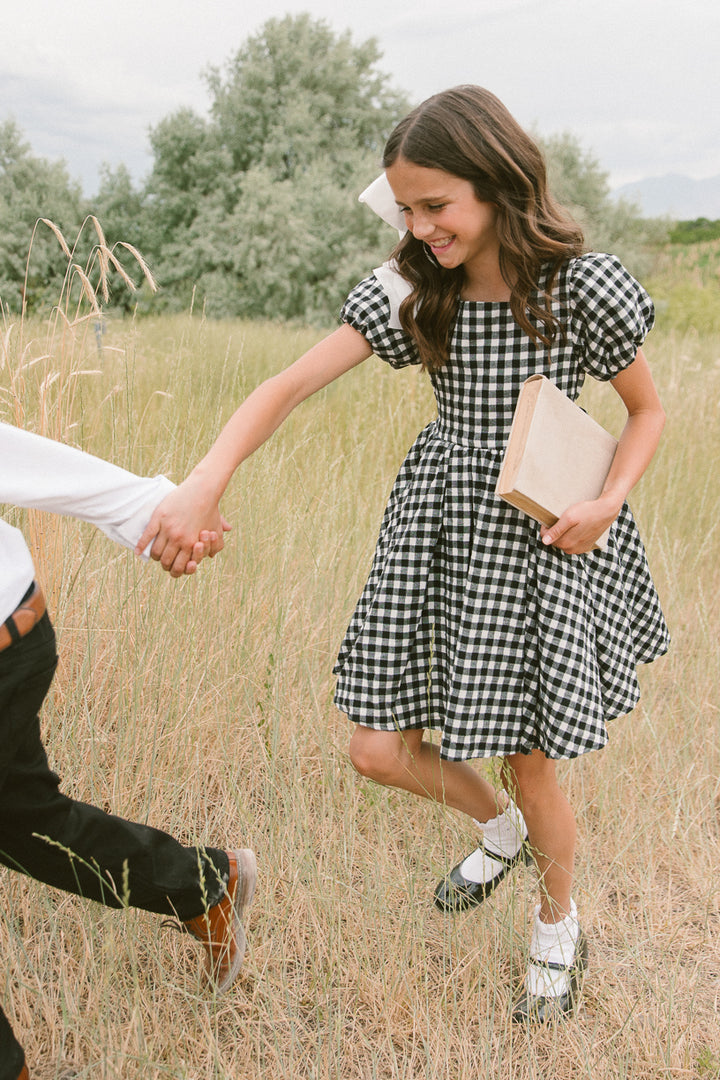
441 245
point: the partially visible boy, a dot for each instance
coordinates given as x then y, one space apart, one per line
43 833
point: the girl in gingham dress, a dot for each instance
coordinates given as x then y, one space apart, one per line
509 639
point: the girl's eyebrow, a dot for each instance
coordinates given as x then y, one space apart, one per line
426 199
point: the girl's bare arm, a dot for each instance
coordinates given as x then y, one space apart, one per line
193 508
580 526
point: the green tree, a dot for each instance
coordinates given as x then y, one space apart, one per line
255 210
187 198
32 188
297 94
695 232
297 246
121 213
120 207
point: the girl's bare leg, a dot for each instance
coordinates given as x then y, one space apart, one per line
402 759
530 779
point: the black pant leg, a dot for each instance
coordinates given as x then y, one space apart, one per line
12 1057
73 845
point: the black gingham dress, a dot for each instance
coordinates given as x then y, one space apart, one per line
467 623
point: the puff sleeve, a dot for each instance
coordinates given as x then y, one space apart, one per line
612 314
368 310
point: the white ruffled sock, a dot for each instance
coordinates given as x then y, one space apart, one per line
504 834
552 943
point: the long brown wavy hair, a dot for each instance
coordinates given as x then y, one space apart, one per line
469 133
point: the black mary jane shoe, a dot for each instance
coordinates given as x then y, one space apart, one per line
457 893
538 1009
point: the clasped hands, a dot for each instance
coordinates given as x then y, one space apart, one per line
185 528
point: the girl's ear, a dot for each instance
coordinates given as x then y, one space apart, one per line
379 197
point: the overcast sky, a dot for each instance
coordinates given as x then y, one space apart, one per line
637 80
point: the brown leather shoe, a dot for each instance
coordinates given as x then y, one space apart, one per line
220 929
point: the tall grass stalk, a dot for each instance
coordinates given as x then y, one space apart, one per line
204 707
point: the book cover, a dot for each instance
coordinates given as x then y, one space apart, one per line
556 454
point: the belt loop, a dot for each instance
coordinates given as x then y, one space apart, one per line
12 629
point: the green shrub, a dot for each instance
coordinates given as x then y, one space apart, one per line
694 232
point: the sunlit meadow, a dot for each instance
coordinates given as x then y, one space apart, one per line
204 707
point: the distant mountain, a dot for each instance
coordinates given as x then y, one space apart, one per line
678 197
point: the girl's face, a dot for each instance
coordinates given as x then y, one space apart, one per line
444 212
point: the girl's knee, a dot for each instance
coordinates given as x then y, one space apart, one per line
378 755
367 757
529 778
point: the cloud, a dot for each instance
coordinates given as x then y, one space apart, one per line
636 80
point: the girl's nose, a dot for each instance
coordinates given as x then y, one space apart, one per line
421 226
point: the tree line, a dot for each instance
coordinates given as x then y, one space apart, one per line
252 211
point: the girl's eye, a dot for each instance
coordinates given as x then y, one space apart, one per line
434 208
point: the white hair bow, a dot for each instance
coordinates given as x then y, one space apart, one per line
379 197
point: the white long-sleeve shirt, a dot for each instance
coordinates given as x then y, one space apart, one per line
46 475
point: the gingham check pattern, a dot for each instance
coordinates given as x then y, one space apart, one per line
467 622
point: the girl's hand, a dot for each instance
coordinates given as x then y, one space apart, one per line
186 526
578 529
581 525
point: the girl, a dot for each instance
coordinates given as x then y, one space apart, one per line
513 641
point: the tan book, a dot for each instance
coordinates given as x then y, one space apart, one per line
556 454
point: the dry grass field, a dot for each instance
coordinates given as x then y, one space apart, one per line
205 707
